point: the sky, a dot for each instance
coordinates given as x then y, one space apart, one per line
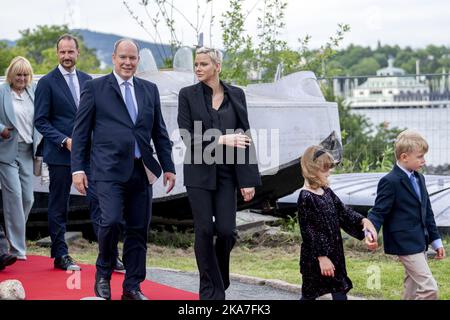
414 23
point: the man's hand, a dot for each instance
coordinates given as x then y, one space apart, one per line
440 253
169 177
6 133
248 193
326 266
68 144
80 182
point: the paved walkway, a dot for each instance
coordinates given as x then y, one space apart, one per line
241 288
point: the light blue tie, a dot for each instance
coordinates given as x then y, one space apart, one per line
132 112
72 89
413 180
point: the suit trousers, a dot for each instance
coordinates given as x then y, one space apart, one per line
4 248
58 207
214 213
17 191
94 207
129 201
419 283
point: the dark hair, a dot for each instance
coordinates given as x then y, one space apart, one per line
67 37
125 39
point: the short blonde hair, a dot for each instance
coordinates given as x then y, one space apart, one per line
214 54
409 141
315 159
19 65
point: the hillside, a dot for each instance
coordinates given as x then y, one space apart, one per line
104 43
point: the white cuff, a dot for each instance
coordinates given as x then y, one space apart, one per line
62 143
77 172
436 244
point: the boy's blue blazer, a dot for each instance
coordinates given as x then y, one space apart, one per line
408 222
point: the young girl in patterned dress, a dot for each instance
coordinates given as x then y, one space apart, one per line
321 216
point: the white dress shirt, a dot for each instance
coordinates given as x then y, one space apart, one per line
121 82
24 112
150 176
436 244
66 76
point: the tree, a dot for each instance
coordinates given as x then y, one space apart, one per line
365 66
238 48
169 13
269 26
7 54
366 148
39 46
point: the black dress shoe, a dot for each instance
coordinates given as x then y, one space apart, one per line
119 265
66 263
133 295
7 260
102 288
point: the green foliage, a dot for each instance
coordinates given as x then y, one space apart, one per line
7 54
269 27
38 40
242 58
290 224
365 66
317 60
238 48
366 148
358 60
173 238
39 46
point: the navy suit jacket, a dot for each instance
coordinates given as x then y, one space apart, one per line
103 114
54 114
408 222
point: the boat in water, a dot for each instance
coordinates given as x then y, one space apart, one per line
286 116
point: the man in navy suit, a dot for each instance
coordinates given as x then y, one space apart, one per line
56 102
123 114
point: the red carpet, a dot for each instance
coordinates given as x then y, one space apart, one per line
42 282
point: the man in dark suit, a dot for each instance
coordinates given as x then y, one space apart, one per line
56 102
124 115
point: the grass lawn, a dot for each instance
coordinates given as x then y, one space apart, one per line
282 262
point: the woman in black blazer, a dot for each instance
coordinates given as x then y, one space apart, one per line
220 158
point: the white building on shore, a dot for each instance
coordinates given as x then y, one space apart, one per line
391 89
401 101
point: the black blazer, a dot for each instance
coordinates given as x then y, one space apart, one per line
103 112
192 108
54 114
408 222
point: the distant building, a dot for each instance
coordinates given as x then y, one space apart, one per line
392 88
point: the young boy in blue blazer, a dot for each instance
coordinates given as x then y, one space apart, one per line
403 208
